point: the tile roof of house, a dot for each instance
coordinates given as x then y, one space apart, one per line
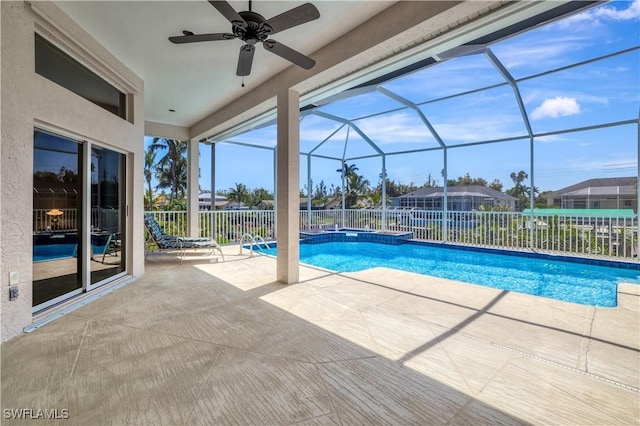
459 191
603 190
597 183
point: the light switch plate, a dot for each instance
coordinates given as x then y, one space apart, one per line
13 278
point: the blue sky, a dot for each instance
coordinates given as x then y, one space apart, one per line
595 93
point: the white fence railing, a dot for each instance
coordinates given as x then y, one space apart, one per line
578 235
67 220
229 225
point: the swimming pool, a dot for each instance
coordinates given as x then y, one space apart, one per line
571 282
52 251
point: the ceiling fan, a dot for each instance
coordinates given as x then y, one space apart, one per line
251 28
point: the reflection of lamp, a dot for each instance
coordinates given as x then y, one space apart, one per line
54 213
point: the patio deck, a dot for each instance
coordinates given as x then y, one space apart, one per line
222 343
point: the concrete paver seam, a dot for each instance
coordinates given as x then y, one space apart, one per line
547 361
204 384
75 360
588 348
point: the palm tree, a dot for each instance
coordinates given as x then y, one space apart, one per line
172 167
347 170
356 185
240 193
148 200
520 191
149 165
258 195
176 183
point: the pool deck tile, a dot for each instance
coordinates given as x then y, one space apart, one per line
223 343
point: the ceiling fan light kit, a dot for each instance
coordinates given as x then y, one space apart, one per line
253 28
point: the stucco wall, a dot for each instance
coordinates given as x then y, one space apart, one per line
29 100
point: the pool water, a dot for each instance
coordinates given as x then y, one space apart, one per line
571 282
53 251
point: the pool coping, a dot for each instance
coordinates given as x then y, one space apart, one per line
563 257
397 238
355 235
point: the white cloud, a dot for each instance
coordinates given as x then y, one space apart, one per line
547 55
556 107
594 17
553 139
604 166
393 128
405 128
609 12
551 45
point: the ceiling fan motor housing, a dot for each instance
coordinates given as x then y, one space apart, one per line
255 29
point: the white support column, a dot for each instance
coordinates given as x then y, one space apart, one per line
532 194
343 190
288 189
309 191
212 214
275 188
638 192
193 187
445 196
384 193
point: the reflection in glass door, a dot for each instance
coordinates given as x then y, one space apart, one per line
107 214
78 217
57 202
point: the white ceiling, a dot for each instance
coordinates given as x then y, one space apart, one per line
199 78
352 42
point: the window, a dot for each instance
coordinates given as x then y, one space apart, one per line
55 65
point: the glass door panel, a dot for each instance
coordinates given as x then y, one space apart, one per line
107 214
57 202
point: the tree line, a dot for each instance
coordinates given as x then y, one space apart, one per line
357 188
165 162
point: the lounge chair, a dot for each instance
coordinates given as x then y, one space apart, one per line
163 241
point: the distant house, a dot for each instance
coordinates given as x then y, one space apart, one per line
235 205
269 204
204 201
459 198
314 206
264 205
333 204
600 193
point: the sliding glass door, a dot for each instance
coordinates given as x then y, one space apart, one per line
78 217
57 218
107 214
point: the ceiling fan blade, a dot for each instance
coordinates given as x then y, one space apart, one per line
228 12
296 16
289 54
245 60
192 38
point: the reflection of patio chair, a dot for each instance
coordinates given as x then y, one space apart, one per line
100 242
164 241
113 246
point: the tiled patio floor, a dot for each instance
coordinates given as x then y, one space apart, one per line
222 343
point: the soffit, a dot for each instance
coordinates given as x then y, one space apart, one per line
199 78
352 42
